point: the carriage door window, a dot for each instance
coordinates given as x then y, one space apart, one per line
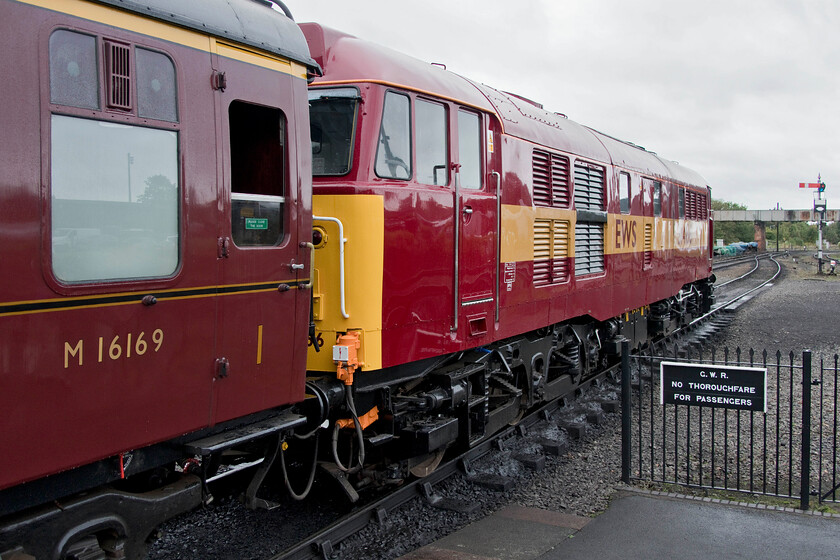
258 174
393 157
432 161
469 149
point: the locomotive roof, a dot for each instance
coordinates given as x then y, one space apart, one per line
249 22
345 58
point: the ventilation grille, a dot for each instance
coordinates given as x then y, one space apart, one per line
589 187
118 63
589 248
551 179
648 245
551 252
695 206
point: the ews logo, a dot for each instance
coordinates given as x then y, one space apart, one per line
625 234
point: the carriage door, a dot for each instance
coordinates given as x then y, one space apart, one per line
477 223
258 249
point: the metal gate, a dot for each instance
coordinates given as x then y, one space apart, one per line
746 451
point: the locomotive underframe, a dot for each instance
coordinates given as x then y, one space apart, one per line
456 401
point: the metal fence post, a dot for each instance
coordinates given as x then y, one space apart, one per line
626 413
805 483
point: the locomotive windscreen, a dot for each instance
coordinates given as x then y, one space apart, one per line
332 122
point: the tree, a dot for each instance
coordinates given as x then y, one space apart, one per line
160 191
732 232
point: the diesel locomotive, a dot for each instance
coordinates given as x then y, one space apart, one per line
231 242
477 255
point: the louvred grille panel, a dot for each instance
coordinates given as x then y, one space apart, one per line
589 248
118 62
551 179
589 187
551 252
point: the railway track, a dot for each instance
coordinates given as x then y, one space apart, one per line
730 294
732 291
721 263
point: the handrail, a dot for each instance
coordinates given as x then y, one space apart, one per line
340 259
498 238
311 247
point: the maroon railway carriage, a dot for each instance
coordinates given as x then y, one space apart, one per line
153 201
478 253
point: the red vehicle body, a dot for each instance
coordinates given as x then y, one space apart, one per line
153 198
474 257
477 227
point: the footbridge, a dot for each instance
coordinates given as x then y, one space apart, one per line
760 218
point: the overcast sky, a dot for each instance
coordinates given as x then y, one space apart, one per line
747 93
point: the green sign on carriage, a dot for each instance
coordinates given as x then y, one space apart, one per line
256 223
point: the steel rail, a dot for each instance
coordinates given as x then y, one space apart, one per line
723 306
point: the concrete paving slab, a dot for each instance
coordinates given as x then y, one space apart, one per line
660 527
646 527
514 533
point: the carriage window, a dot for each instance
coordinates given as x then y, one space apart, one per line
156 88
257 174
432 161
332 127
393 157
114 200
624 192
469 149
657 198
74 79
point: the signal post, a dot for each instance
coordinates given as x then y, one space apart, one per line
819 212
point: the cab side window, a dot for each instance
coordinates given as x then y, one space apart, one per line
393 155
469 149
432 146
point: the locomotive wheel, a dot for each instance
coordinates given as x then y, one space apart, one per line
427 463
518 418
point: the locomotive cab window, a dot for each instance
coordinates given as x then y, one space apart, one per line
469 149
682 202
393 156
432 149
332 126
258 174
115 196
